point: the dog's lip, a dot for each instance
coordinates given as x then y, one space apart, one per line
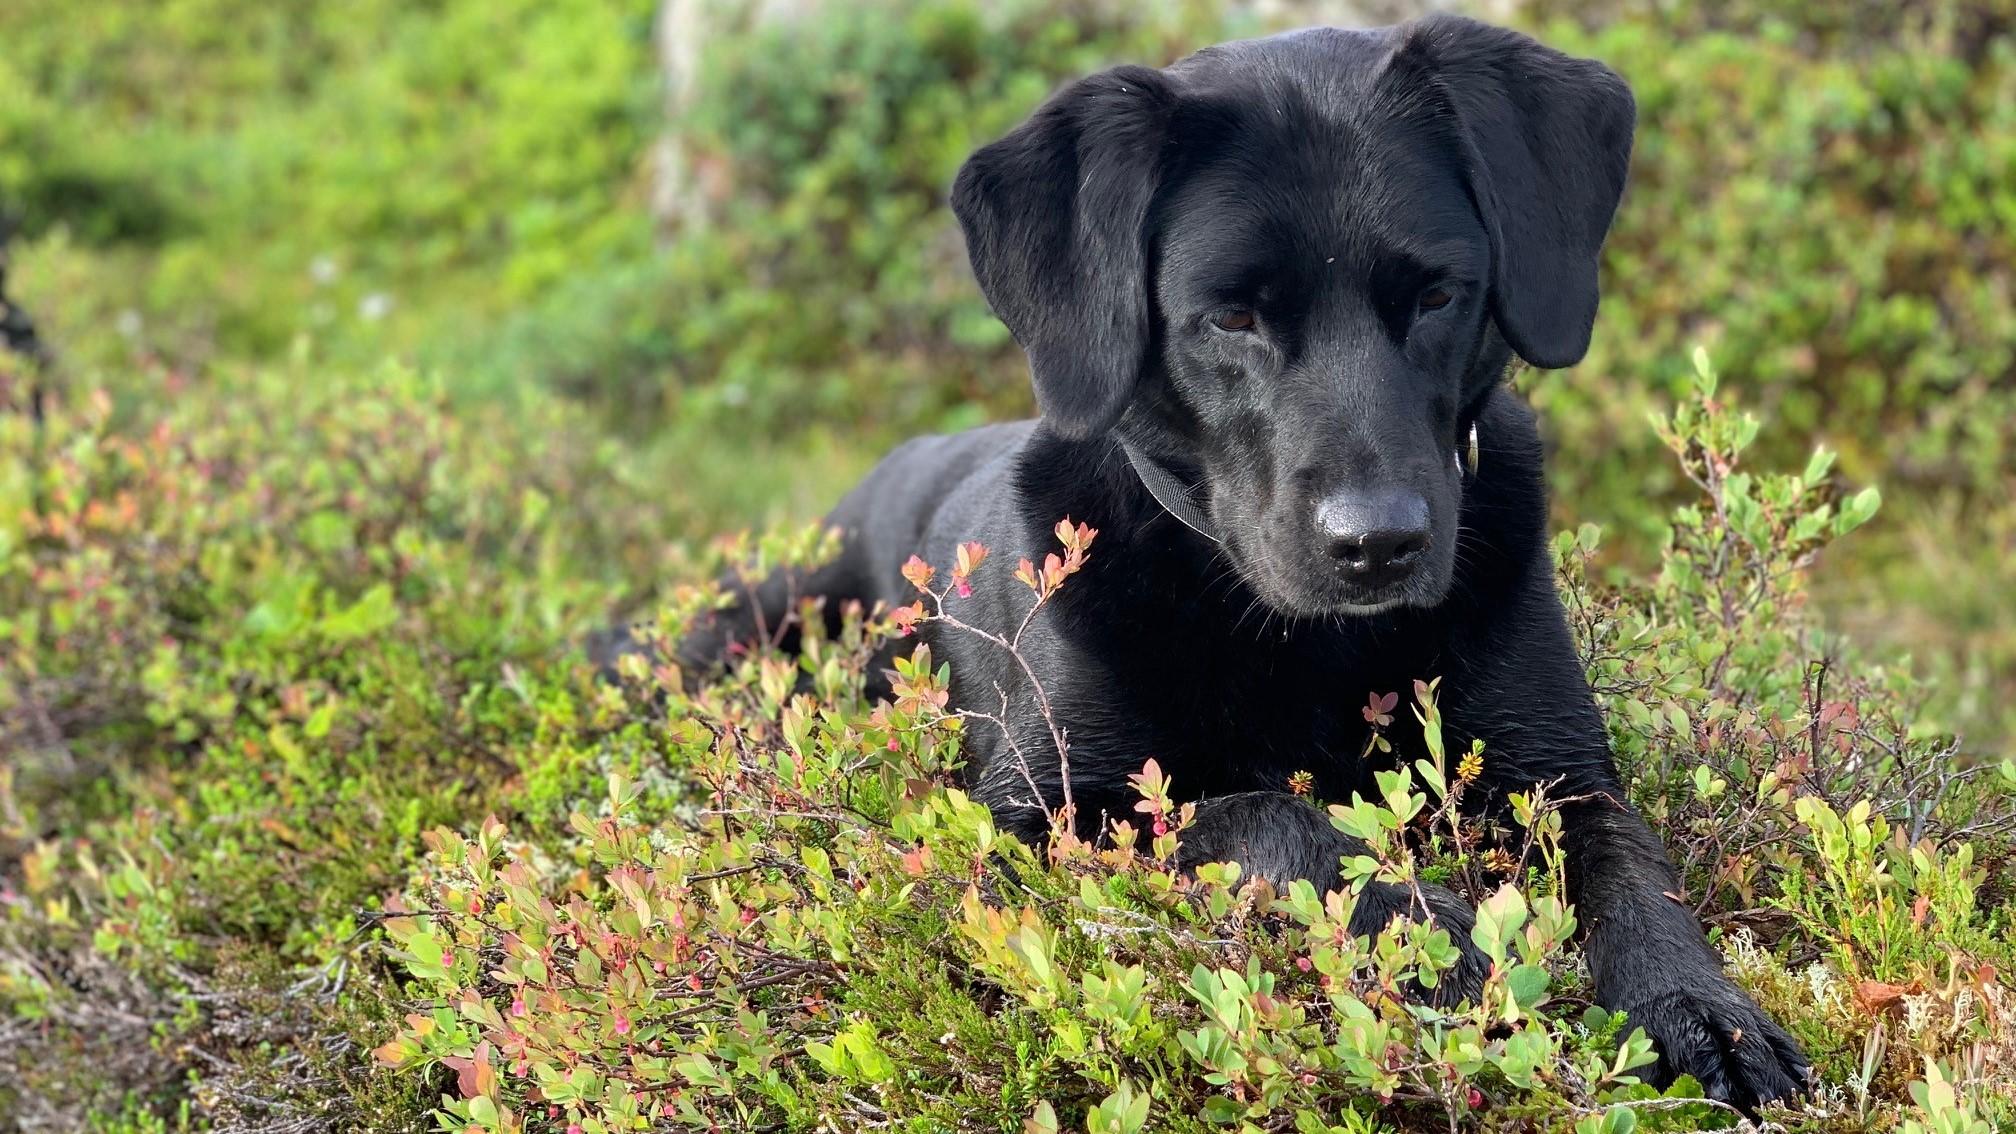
1301 596
1352 605
1362 602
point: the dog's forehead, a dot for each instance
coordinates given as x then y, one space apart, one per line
1311 110
1328 72
1299 139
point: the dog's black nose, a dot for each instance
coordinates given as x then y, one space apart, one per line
1376 537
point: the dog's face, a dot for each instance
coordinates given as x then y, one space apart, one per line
1320 280
1293 268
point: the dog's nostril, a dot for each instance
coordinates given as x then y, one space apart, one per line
1374 535
1377 550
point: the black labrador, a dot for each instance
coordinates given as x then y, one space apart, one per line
1269 295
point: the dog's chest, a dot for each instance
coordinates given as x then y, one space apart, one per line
1232 713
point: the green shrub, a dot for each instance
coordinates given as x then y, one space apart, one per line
242 173
253 644
1848 252
820 928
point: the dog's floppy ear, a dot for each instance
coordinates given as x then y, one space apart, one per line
1547 138
1054 215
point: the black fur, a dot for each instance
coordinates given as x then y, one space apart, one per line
18 336
1398 211
17 330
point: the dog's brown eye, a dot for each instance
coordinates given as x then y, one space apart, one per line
1434 299
1239 319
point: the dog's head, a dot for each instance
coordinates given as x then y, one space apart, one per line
1296 266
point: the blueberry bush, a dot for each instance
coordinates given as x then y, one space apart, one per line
369 390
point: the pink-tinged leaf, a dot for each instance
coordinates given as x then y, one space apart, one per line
905 618
970 555
476 1076
918 572
1026 572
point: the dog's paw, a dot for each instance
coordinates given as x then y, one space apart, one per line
1715 1033
1381 902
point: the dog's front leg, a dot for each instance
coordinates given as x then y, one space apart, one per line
1526 697
1648 956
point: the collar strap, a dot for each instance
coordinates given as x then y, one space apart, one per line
1169 492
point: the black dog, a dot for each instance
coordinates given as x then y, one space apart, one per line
1269 295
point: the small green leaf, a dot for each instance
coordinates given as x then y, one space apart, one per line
317 725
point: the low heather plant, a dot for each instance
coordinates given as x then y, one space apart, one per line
805 923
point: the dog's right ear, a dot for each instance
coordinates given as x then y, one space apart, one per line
1547 144
1054 216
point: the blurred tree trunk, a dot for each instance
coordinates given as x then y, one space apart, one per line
686 183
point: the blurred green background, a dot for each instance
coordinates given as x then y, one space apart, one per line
742 271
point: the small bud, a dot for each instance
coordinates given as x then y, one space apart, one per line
905 619
1470 767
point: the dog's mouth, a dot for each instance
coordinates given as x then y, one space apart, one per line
1316 593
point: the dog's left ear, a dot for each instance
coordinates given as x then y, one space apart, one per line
1547 138
1054 215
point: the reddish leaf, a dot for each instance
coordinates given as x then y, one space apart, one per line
1876 998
